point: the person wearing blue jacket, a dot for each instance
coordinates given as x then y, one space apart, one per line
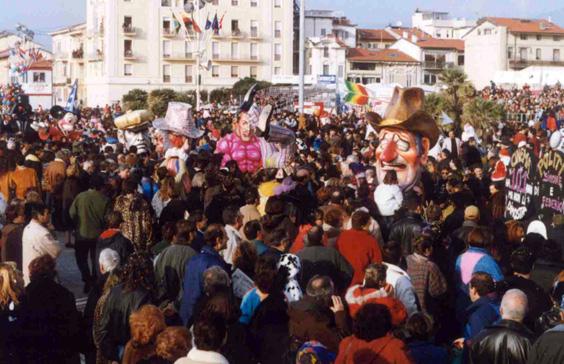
216 240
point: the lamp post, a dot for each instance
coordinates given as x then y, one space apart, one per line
302 55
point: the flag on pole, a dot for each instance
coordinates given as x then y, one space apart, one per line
357 94
195 25
221 21
215 25
208 22
71 101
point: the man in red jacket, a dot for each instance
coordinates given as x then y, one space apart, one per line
358 246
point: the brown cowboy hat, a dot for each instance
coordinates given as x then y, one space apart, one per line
405 112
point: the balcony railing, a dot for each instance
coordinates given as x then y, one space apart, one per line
522 63
169 33
78 53
128 54
129 30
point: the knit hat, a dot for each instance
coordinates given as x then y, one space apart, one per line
471 213
504 156
537 227
499 172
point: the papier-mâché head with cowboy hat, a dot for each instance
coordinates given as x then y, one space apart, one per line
406 134
177 126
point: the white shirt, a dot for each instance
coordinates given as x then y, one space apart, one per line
196 356
37 241
233 240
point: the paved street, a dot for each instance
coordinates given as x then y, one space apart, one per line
69 275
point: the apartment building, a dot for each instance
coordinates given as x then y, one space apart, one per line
322 23
440 24
497 45
325 60
7 41
384 38
68 62
130 44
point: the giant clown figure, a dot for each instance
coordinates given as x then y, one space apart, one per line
255 143
133 130
406 135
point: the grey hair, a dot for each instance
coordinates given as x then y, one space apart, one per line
109 260
514 305
215 277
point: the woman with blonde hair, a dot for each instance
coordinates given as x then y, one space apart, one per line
11 293
145 324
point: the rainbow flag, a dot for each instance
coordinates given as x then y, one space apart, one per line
357 94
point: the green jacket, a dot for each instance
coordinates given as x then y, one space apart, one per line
87 211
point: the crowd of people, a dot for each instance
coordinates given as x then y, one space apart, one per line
290 265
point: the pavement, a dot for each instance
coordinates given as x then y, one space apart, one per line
69 275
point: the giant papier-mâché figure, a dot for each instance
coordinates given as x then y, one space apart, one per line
406 133
133 130
256 142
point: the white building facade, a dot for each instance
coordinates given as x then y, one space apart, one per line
7 42
322 23
384 66
37 84
326 59
440 24
141 44
498 45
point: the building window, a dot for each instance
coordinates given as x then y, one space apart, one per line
461 59
167 26
510 52
234 72
522 54
556 55
215 71
234 2
166 2
277 3
254 51
234 50
325 69
254 28
127 48
166 73
523 36
38 77
538 54
188 74
127 24
487 32
254 73
539 37
188 49
235 28
277 52
277 71
556 38
277 29
326 52
167 48
254 3
215 50
127 69
341 72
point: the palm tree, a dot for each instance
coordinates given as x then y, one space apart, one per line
482 114
456 90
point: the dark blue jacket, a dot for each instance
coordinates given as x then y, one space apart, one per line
423 352
482 313
193 281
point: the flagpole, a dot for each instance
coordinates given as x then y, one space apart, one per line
198 55
302 55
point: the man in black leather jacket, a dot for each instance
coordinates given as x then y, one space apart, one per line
410 225
507 341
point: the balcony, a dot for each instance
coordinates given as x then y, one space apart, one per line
437 65
166 78
179 57
129 55
78 53
236 59
519 64
236 33
129 30
169 33
96 56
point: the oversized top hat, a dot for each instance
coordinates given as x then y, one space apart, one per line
133 120
178 119
405 112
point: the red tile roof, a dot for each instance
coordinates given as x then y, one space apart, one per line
41 65
382 55
436 43
410 32
515 25
375 35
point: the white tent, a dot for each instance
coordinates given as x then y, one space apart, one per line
534 76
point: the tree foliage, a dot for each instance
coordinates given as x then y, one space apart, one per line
434 105
241 87
457 90
135 99
482 114
220 95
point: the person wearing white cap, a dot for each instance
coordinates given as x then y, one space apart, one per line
537 227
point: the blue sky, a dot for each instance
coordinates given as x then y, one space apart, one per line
43 16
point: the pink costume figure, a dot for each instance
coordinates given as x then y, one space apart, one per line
251 152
